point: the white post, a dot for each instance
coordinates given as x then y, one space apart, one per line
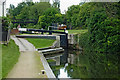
4 10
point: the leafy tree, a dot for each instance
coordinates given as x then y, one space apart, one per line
38 9
102 21
104 28
10 10
16 11
72 15
5 23
51 15
28 10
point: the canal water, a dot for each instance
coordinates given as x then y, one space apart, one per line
79 64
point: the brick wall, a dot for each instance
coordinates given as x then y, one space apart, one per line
14 31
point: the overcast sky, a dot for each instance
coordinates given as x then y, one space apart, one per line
64 4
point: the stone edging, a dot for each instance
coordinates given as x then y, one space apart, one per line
47 68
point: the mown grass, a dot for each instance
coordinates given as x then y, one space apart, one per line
74 31
41 43
10 55
77 31
69 32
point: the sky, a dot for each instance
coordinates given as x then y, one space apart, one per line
64 4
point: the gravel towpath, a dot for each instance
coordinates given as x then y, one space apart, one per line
29 64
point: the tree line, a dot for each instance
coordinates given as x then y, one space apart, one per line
43 14
102 19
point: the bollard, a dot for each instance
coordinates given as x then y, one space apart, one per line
43 71
41 32
50 33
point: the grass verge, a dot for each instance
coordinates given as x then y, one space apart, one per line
10 55
41 43
77 31
74 31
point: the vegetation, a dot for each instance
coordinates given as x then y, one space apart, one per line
35 12
102 21
10 54
50 16
50 60
89 63
5 23
101 39
99 65
41 43
75 31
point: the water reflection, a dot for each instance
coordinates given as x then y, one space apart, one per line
63 69
63 72
76 64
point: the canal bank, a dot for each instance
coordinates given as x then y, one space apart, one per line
47 68
56 56
82 63
35 38
54 49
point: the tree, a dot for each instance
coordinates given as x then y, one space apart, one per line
5 23
72 15
14 11
50 16
29 10
102 21
38 9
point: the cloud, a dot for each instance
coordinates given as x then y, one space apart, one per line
64 4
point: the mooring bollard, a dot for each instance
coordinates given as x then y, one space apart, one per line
42 33
50 33
43 71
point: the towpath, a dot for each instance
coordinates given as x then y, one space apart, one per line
29 64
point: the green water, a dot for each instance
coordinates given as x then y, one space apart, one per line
82 65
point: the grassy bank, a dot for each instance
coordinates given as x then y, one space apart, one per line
41 43
10 55
74 31
77 31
